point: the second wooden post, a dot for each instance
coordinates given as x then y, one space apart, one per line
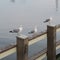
51 42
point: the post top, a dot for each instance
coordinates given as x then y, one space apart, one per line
52 25
22 36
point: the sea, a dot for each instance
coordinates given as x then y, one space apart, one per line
28 13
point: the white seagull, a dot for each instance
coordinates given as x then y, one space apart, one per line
18 31
48 20
33 31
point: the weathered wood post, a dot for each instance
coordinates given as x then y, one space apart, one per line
22 47
51 42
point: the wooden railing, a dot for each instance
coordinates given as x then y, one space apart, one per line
22 46
39 55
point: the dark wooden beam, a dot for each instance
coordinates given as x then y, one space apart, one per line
22 48
51 42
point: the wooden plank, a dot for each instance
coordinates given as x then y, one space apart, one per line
58 29
37 39
58 47
42 56
7 52
41 37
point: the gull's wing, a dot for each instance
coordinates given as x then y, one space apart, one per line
47 20
14 31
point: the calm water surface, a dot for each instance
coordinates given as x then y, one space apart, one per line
28 13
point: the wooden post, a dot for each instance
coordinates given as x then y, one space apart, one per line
51 42
22 47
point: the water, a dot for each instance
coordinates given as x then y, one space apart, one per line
29 13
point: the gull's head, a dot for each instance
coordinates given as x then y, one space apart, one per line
21 28
35 29
50 18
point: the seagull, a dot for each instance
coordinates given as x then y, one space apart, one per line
18 31
13 1
33 31
48 20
